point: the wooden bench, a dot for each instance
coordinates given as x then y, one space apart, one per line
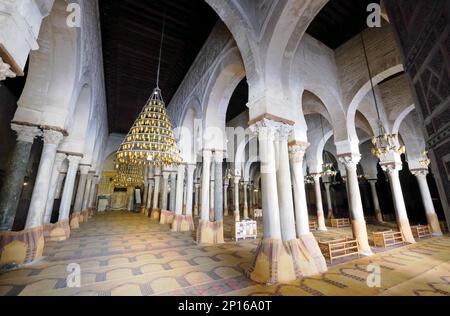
421 231
388 239
444 227
340 222
339 248
312 225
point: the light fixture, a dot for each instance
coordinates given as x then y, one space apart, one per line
151 141
425 161
383 143
328 169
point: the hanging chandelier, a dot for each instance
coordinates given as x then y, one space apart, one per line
128 175
384 142
151 140
328 169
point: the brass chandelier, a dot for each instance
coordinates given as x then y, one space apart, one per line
384 142
151 141
128 175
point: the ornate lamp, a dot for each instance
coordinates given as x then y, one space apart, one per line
328 169
384 142
151 141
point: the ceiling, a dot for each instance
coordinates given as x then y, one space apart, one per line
131 34
339 21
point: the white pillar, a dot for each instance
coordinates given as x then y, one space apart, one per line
189 188
319 204
156 191
225 197
376 203
84 170
197 197
284 184
165 190
355 204
180 187
204 213
218 186
60 157
39 198
151 185
329 202
265 131
237 215
245 189
68 191
430 212
392 166
92 198
211 197
87 191
297 153
173 192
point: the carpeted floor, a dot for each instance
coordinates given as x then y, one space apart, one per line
127 254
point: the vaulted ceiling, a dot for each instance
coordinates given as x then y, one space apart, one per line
131 34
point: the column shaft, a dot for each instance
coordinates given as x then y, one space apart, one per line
430 212
376 203
204 213
319 204
53 187
180 186
66 199
218 187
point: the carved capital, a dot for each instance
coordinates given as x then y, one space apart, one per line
74 160
26 133
265 129
391 167
420 172
52 137
283 132
60 157
191 168
5 71
350 161
297 152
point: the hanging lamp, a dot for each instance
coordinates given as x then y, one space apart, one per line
151 141
383 143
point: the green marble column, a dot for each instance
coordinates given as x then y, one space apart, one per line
12 187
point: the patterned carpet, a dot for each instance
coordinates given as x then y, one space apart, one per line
127 254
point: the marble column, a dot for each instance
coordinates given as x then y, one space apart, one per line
319 204
204 230
189 189
284 184
392 168
297 154
68 191
145 196
15 175
218 187
75 218
165 188
155 213
355 203
60 157
245 194
180 190
35 217
92 195
59 186
329 202
89 185
211 198
225 197
376 203
237 213
173 192
196 202
430 212
151 186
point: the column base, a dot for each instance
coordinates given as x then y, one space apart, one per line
57 232
330 214
75 221
360 233
282 262
166 217
21 247
84 216
379 216
405 228
321 222
434 224
183 223
155 214
225 212
237 217
210 233
196 211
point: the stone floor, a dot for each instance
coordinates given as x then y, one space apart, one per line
126 254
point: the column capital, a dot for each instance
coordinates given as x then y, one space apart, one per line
207 154
74 160
265 129
283 132
191 168
60 157
26 133
297 151
237 180
350 160
391 166
52 137
219 156
420 172
165 174
84 169
5 70
316 176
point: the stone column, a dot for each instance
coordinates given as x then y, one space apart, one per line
245 191
284 185
376 203
392 165
204 230
151 185
196 202
430 212
60 157
14 178
155 213
329 202
59 186
75 218
237 215
180 192
211 198
355 203
297 154
145 196
225 197
92 196
190 190
173 192
66 199
36 211
319 204
218 196
165 190
184 223
87 195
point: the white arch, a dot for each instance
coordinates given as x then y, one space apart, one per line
401 117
